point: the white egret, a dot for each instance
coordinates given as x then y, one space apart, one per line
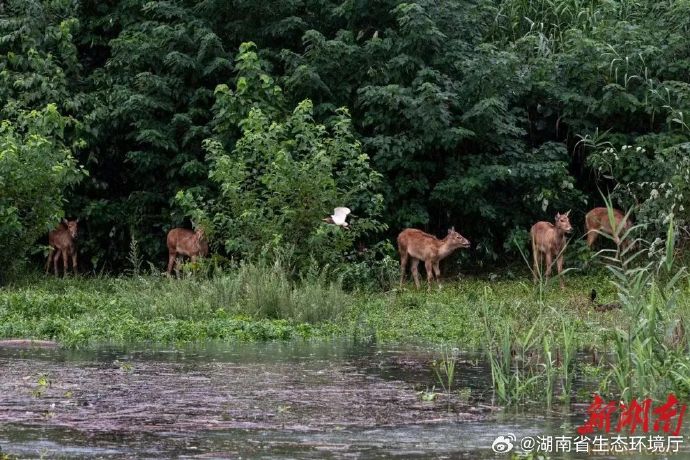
339 217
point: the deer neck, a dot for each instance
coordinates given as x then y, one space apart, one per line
445 249
560 235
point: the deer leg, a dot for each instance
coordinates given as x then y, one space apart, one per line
178 262
74 261
50 259
559 263
56 259
171 261
549 262
403 267
591 237
535 273
429 266
193 260
415 272
437 272
65 262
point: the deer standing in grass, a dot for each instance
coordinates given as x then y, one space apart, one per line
549 240
184 242
597 221
416 245
62 244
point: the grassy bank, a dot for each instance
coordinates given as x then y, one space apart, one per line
528 334
260 303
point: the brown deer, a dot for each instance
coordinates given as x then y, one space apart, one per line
549 240
418 246
186 243
597 221
62 244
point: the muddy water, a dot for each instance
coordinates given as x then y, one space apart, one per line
277 400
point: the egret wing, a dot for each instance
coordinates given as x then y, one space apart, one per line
340 214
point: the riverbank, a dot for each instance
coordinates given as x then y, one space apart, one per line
258 305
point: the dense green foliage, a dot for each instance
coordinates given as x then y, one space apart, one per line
483 114
35 169
285 173
38 138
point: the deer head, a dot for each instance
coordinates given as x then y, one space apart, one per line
456 240
72 227
563 222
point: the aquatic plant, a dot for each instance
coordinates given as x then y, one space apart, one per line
43 382
427 395
570 344
514 372
549 370
444 369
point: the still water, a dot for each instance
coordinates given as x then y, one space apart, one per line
257 400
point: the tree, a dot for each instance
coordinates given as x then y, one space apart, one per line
284 174
149 109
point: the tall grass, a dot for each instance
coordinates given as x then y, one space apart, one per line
255 301
650 356
550 23
199 306
517 369
525 367
549 369
569 351
259 290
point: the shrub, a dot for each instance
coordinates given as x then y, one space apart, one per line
35 169
283 175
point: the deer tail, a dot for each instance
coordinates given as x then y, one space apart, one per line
535 255
533 239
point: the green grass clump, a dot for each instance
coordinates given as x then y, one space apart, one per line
459 312
264 302
253 302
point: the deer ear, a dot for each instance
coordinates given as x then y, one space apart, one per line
64 221
558 214
567 213
76 221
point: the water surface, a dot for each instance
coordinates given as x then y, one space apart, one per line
267 400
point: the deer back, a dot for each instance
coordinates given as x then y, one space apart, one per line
186 242
546 238
598 219
424 246
418 244
60 237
